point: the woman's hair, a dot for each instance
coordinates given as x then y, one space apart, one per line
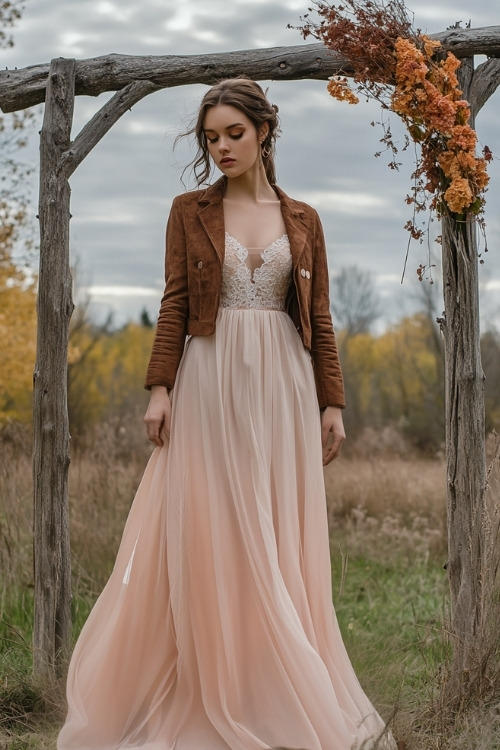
249 98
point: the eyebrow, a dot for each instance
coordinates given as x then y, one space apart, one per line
234 125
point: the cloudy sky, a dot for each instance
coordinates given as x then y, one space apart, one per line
121 194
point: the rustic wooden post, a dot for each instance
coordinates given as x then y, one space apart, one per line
52 565
465 455
469 547
465 438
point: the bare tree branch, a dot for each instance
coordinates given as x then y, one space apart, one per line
354 300
103 121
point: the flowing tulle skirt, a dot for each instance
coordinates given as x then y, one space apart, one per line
216 630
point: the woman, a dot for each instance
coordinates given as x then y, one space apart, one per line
216 630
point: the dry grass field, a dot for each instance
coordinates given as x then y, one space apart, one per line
387 518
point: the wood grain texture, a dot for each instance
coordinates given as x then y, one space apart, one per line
465 442
485 82
51 456
25 87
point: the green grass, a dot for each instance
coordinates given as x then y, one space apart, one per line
30 711
391 617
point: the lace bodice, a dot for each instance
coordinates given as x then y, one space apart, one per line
266 287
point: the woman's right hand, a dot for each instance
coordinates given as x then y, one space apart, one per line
157 417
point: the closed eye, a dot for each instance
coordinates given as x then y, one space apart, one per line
233 137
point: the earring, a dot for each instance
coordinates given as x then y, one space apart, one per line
266 150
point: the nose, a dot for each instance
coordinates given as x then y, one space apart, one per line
223 144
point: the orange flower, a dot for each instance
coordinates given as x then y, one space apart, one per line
448 67
481 177
446 161
463 137
459 195
340 89
431 46
466 162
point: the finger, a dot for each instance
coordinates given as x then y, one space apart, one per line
327 456
154 429
155 437
332 451
165 428
325 431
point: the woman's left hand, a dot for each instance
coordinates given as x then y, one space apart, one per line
332 433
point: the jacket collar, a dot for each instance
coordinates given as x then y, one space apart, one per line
211 215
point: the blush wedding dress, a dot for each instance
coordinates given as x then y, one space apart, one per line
216 629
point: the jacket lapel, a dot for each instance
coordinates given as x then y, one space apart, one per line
211 215
296 224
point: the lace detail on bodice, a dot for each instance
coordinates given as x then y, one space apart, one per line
267 286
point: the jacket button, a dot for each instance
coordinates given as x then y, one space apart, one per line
303 272
200 264
308 275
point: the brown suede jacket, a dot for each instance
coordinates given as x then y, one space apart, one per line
193 275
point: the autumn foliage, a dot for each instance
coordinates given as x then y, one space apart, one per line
365 33
410 75
106 372
427 98
393 379
17 335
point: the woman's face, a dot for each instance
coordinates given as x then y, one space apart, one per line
233 141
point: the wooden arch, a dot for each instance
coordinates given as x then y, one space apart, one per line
133 78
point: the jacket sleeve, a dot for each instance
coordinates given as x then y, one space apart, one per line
171 329
327 370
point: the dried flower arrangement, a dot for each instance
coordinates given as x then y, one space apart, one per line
411 75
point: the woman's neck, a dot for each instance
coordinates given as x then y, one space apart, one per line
253 186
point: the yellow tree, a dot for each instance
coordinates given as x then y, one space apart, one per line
409 380
397 380
106 372
17 335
